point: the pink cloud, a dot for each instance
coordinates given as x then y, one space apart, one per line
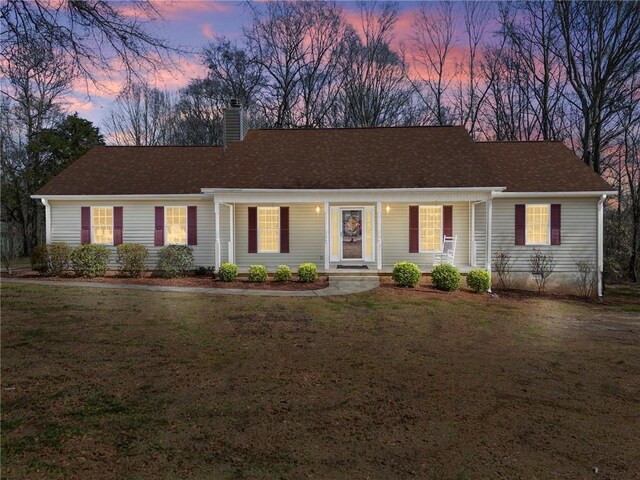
207 31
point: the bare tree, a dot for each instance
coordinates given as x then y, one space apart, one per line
140 115
376 87
532 32
432 37
198 113
472 87
234 70
601 52
33 81
94 36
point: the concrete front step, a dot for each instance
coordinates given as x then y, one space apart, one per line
354 278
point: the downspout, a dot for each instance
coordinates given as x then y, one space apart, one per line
601 245
47 219
217 261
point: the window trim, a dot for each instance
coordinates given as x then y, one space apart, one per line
526 236
441 207
258 249
166 225
91 225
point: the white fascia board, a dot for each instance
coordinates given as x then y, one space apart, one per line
594 194
349 190
157 196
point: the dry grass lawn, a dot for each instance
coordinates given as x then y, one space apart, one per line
382 385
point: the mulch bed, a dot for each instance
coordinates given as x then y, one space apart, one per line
188 281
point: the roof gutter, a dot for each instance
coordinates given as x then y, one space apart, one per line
349 190
134 196
503 194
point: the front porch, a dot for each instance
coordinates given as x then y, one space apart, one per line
358 232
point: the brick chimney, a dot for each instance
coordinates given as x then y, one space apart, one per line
235 122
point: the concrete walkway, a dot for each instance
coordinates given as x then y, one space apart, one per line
338 285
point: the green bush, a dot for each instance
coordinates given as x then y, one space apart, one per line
175 260
90 260
445 277
308 272
40 259
59 257
283 273
132 259
51 259
228 272
258 273
406 274
202 271
479 280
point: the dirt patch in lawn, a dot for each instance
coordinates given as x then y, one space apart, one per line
151 278
386 384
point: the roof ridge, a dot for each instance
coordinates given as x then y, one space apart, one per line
313 129
519 141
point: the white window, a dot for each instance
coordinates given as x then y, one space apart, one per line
430 228
268 229
175 225
537 222
102 225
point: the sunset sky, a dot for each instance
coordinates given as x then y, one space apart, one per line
192 24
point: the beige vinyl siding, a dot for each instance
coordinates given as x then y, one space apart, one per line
306 238
138 225
579 232
481 234
395 235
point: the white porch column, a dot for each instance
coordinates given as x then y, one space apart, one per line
47 219
489 224
379 235
327 253
217 261
232 233
601 244
472 234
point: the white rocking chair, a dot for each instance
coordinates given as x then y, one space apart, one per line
447 255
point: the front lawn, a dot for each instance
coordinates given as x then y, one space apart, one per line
386 384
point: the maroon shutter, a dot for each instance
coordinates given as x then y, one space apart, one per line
520 224
117 225
253 229
555 224
447 220
192 225
414 229
284 229
85 230
158 240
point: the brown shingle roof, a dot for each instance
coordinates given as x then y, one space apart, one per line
351 158
539 167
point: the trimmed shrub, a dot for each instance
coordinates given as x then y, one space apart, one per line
132 259
59 257
202 271
175 260
228 272
479 280
283 273
40 259
445 277
90 260
51 259
308 272
258 273
406 274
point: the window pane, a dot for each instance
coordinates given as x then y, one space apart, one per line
176 225
537 224
269 229
102 225
430 228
